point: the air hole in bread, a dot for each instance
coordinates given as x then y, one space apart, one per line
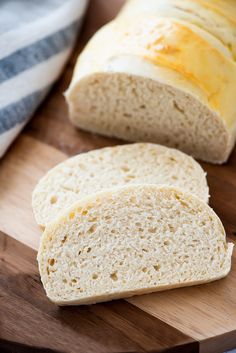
130 176
125 169
157 267
51 262
92 229
150 218
64 239
166 242
152 230
171 228
114 276
172 159
53 199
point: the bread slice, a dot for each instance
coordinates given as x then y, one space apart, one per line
131 240
94 171
161 78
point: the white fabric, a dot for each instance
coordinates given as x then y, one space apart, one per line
36 39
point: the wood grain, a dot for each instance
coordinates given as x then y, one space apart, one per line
198 319
26 162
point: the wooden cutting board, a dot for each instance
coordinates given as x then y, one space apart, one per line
196 319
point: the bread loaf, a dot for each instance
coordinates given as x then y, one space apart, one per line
131 240
94 171
163 71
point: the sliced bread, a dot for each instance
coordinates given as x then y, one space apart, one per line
105 168
167 74
131 240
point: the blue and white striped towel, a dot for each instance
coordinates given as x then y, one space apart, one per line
36 39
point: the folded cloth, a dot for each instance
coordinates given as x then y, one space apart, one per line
36 39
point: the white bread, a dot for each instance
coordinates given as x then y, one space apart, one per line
131 240
94 171
163 71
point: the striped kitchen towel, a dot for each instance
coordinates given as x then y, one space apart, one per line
36 39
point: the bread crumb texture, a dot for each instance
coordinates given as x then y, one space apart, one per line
115 166
131 240
143 109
